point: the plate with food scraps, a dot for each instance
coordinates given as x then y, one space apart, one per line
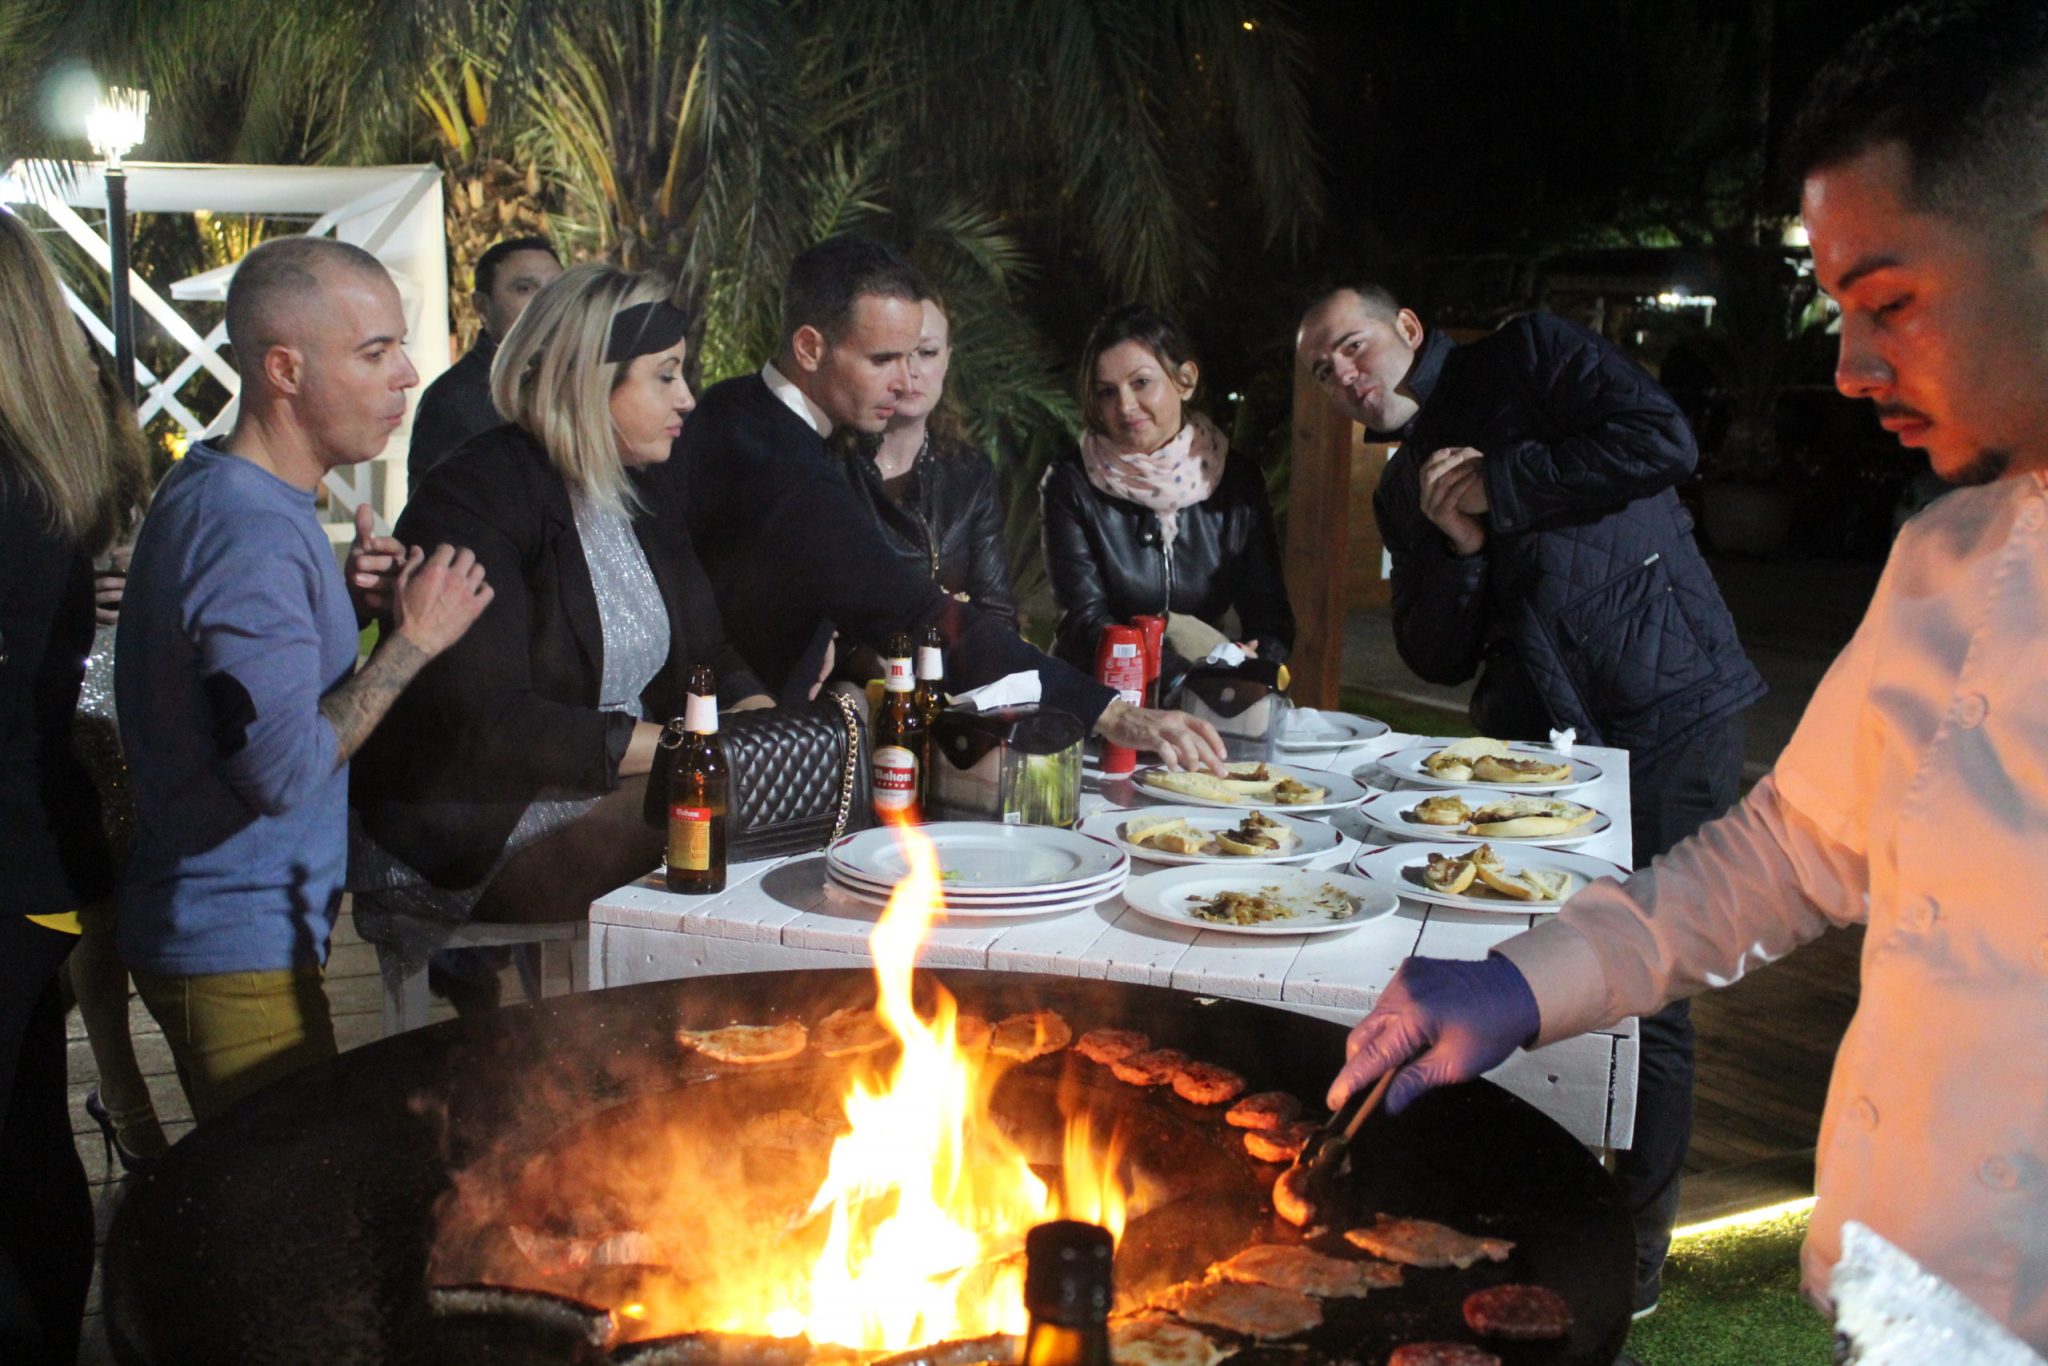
1306 729
1252 786
1478 762
1520 881
1201 834
1263 901
1475 814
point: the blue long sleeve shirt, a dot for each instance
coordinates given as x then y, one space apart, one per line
236 620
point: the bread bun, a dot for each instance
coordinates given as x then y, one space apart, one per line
1448 875
1441 811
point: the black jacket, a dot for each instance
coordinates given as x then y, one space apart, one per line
1107 562
454 408
949 526
512 707
53 855
791 552
1590 604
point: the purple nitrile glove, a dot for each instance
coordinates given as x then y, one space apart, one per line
1469 1016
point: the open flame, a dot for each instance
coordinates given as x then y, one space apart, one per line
929 1201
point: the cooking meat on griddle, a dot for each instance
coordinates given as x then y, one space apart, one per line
1418 1242
1519 1313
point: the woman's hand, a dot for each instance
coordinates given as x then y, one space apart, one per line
759 701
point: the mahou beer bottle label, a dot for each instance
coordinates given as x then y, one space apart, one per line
899 679
700 715
929 663
689 837
895 773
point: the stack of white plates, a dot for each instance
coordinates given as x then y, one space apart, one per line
985 869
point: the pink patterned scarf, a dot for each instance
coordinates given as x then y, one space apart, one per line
1178 475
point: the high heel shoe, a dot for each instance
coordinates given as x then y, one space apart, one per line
116 1150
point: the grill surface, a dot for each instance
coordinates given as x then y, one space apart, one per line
299 1226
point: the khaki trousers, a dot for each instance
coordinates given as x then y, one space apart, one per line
234 1033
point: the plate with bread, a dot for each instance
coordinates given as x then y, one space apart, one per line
1201 834
1478 877
1248 785
1484 813
1481 762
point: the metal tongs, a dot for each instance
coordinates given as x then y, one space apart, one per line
1322 1157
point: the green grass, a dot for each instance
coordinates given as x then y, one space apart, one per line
1732 1299
1413 718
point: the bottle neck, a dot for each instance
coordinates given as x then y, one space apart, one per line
931 665
700 715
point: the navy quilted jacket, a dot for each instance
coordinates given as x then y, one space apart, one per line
1590 605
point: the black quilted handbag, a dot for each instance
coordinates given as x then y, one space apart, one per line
799 776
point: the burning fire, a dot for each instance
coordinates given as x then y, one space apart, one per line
900 1224
929 1201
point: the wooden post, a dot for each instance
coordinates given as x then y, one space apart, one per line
1318 543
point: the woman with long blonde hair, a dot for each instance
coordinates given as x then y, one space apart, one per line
507 782
70 473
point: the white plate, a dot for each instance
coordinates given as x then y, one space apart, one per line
1306 728
1166 895
1106 884
1316 837
1406 765
1343 791
1388 811
1398 868
985 857
998 911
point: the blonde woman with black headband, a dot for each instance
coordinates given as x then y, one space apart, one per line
507 783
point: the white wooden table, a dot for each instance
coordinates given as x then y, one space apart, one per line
778 914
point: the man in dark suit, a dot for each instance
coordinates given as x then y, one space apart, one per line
791 552
457 405
1537 539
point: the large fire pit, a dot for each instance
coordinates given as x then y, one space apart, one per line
301 1227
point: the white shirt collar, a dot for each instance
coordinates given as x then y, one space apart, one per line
797 402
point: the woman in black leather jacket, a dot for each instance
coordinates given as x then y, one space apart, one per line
1153 515
932 494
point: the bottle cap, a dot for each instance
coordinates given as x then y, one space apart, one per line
1066 1272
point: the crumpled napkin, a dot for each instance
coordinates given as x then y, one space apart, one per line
1227 654
1563 740
1016 690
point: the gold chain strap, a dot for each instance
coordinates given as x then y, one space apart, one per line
850 770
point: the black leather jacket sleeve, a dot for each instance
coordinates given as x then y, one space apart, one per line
1613 435
1264 613
1439 597
1078 585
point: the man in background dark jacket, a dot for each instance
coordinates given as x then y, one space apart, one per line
1537 538
457 405
791 551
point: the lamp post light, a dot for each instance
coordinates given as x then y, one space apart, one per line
115 127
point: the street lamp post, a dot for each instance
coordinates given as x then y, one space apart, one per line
115 128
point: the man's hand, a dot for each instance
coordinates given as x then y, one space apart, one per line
1454 496
373 565
1463 1018
438 597
1180 740
110 582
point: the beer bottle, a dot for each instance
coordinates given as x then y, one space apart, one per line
1066 1290
900 740
698 787
931 679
